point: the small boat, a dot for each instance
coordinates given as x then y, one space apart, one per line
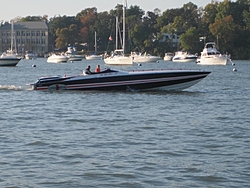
94 57
168 56
182 56
72 55
212 56
9 59
118 56
109 79
144 58
57 58
30 55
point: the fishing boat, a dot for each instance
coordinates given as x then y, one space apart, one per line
111 79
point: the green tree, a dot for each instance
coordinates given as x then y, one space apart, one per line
190 40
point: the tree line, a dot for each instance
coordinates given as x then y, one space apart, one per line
226 23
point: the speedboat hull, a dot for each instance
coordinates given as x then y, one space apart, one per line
122 80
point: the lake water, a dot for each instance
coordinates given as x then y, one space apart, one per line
199 137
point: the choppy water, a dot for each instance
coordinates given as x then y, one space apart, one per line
199 137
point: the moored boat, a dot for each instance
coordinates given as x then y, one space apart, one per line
72 55
30 55
168 56
144 58
182 56
9 60
110 79
212 56
57 58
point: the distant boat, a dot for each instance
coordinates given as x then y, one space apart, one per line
118 56
212 56
30 55
72 55
94 56
9 58
182 56
144 58
57 58
168 56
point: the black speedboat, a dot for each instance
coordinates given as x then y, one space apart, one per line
110 79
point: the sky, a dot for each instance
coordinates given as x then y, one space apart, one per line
72 7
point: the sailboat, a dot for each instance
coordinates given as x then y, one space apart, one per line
9 58
118 56
94 56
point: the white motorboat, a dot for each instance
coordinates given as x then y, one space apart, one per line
9 58
118 56
168 56
94 57
144 58
72 55
57 58
30 55
182 56
212 56
109 79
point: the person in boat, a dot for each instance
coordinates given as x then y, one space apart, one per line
88 71
97 69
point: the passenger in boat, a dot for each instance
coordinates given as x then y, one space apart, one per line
87 71
97 69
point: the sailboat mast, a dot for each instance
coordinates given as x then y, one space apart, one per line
124 30
11 36
95 43
116 33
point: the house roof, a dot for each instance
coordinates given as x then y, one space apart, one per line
37 25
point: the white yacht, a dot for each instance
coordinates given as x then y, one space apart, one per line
212 56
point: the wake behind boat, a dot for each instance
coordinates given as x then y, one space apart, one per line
109 79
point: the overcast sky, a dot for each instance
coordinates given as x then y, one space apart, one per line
13 8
